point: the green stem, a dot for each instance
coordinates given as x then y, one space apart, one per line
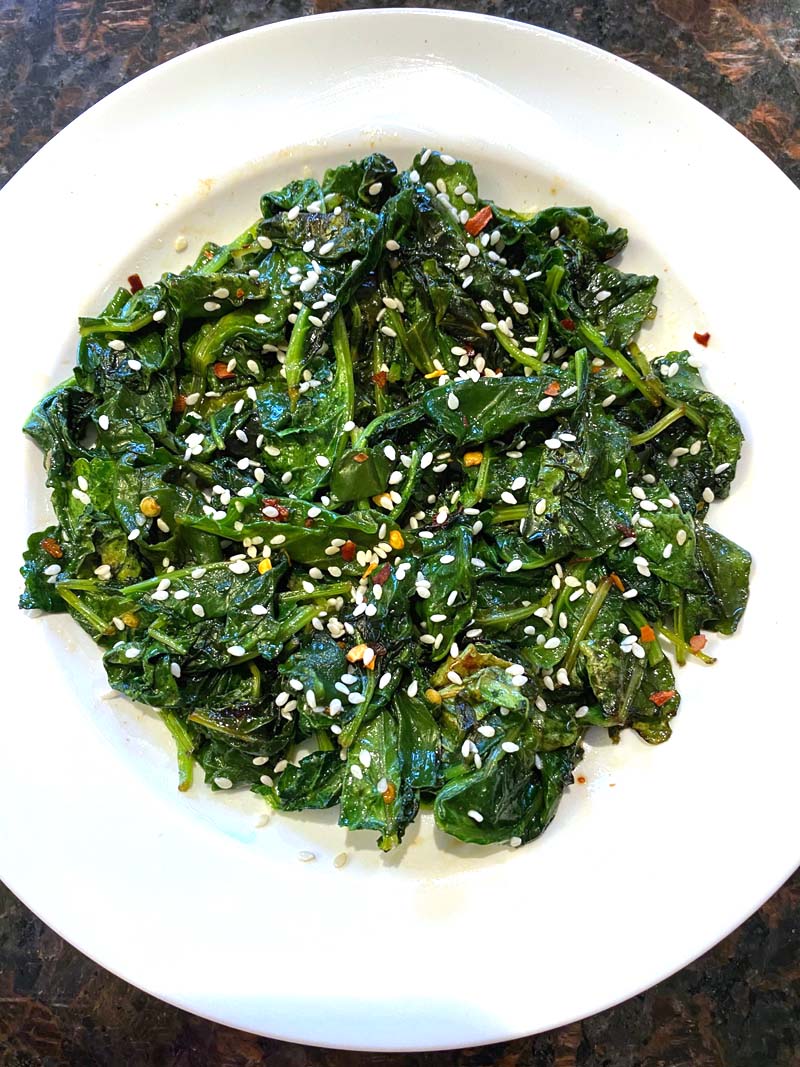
544 330
185 747
679 622
151 583
595 341
377 361
658 427
294 354
482 481
75 603
677 641
513 349
256 676
505 618
655 652
408 487
588 618
297 596
157 634
352 728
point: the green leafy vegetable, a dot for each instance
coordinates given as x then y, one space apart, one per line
380 504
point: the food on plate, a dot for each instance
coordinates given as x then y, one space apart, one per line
381 503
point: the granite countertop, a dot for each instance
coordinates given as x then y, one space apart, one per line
739 1005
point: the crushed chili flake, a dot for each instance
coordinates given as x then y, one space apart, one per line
581 780
308 523
553 389
698 642
646 634
222 372
349 551
360 457
617 581
479 221
135 283
282 510
568 324
661 697
624 530
702 338
52 547
382 575
239 294
380 379
179 404
389 793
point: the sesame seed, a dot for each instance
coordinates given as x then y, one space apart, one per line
509 746
392 246
545 403
223 783
452 401
476 815
199 610
708 495
467 282
629 594
555 233
131 653
553 443
513 565
721 468
552 642
680 537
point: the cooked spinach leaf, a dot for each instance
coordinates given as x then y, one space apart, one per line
380 504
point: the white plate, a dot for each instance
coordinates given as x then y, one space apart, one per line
437 945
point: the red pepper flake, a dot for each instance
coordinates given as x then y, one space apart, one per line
361 457
380 379
702 338
568 324
479 221
661 697
179 404
239 294
581 780
283 512
135 283
349 551
382 575
553 389
389 793
647 634
222 372
617 581
698 642
308 523
52 547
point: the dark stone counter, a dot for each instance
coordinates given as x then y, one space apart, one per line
738 1006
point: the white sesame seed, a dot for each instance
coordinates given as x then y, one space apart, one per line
552 642
513 565
708 495
629 594
555 233
509 746
680 537
476 815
